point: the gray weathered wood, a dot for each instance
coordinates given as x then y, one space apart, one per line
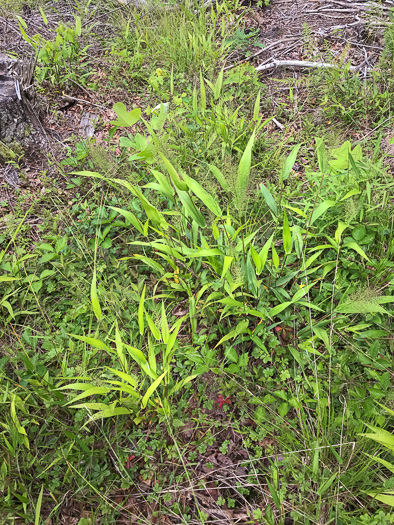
16 119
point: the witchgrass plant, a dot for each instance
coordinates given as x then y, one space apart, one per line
248 341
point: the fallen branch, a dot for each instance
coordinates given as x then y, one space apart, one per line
300 63
262 50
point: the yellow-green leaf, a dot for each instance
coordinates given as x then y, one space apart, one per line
94 298
152 388
141 311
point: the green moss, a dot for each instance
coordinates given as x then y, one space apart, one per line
10 152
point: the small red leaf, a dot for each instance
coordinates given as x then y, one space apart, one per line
222 401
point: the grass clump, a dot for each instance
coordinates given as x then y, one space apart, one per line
200 329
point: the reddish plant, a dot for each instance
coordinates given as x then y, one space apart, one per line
223 401
129 461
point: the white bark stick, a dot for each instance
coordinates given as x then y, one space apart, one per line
299 63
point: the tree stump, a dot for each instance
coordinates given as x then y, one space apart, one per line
17 119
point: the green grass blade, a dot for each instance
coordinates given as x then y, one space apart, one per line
129 217
242 182
219 177
287 239
203 195
270 201
165 331
264 253
322 208
141 307
94 298
38 507
290 162
152 389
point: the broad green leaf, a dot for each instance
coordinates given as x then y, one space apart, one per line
275 257
171 341
165 331
384 299
8 306
129 216
203 195
77 386
301 292
219 177
208 252
321 155
274 495
123 387
152 356
78 25
287 239
218 85
322 334
92 391
242 181
256 109
94 297
161 248
61 243
264 253
119 349
22 24
387 498
136 354
44 17
256 259
226 265
152 389
326 485
191 208
340 229
380 436
203 94
153 328
96 343
231 354
322 208
354 246
290 162
124 376
108 412
279 308
270 201
153 214
296 210
311 259
230 335
231 302
125 118
91 406
164 184
308 305
244 243
175 177
354 191
148 261
39 502
141 308
6 279
182 383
